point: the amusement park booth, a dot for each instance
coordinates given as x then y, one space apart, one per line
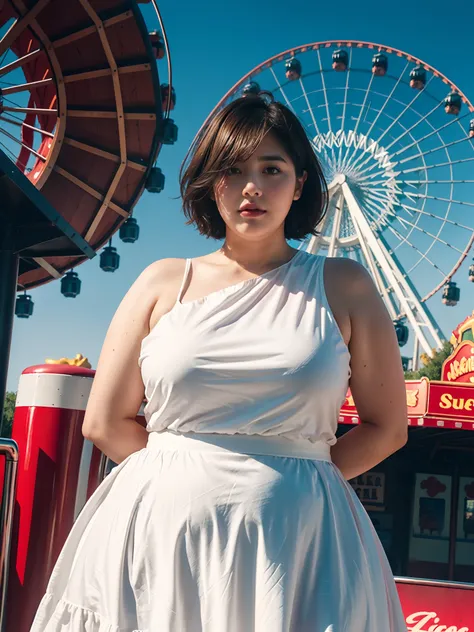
421 499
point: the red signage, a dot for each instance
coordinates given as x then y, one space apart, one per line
436 404
431 608
417 398
459 367
451 401
448 403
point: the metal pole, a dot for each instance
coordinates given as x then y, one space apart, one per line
404 290
9 261
416 355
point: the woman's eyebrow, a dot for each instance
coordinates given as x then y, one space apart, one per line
272 157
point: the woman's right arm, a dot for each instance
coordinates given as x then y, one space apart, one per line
117 390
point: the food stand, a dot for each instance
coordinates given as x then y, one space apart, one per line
421 499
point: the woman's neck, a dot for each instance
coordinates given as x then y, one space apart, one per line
258 256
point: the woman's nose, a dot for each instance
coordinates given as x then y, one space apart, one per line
252 189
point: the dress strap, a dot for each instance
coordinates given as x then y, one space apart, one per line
187 269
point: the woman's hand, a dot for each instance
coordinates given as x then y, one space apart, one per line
377 381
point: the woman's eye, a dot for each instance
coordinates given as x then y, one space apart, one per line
231 171
272 170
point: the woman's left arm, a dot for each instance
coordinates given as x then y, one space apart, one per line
377 381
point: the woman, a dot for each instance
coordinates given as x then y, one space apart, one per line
230 512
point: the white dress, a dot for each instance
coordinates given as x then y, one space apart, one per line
233 518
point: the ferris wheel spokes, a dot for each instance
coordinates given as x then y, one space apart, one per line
432 151
429 234
445 220
351 154
387 100
336 226
442 199
407 107
280 87
435 130
16 140
20 61
328 114
423 255
376 140
411 182
324 91
408 131
440 164
381 286
310 109
20 123
405 294
357 164
344 107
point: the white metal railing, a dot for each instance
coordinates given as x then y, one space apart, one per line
436 583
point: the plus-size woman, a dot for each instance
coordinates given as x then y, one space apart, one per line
231 512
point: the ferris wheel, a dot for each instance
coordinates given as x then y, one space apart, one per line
396 144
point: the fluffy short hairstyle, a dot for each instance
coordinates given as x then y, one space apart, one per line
232 136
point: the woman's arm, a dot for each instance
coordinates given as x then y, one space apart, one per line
117 390
377 381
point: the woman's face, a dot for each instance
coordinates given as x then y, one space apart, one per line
255 196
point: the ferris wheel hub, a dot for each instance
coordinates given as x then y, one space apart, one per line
339 179
370 173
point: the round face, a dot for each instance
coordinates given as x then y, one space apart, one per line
255 196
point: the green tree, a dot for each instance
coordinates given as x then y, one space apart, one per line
8 411
432 368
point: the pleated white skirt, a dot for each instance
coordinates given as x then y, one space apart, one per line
190 535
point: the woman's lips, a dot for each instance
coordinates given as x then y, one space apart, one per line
252 213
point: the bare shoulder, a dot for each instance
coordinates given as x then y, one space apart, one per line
354 294
162 272
377 382
347 274
336 272
159 283
350 285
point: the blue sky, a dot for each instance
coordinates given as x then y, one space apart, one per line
213 44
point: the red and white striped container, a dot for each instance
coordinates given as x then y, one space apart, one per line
57 473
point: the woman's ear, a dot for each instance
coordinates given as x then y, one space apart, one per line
299 185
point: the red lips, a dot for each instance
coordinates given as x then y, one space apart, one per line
249 206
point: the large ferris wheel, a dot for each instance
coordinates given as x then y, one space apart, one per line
396 143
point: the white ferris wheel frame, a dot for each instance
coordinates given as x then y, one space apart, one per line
379 257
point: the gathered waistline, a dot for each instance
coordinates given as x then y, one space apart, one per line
242 444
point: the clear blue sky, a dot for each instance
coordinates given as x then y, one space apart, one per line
212 45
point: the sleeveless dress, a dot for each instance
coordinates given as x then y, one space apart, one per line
233 518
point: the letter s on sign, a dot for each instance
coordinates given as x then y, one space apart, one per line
446 400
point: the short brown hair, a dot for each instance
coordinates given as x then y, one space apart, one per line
231 136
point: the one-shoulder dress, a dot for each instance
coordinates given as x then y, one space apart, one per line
233 517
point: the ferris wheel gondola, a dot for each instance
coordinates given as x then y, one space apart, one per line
395 142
